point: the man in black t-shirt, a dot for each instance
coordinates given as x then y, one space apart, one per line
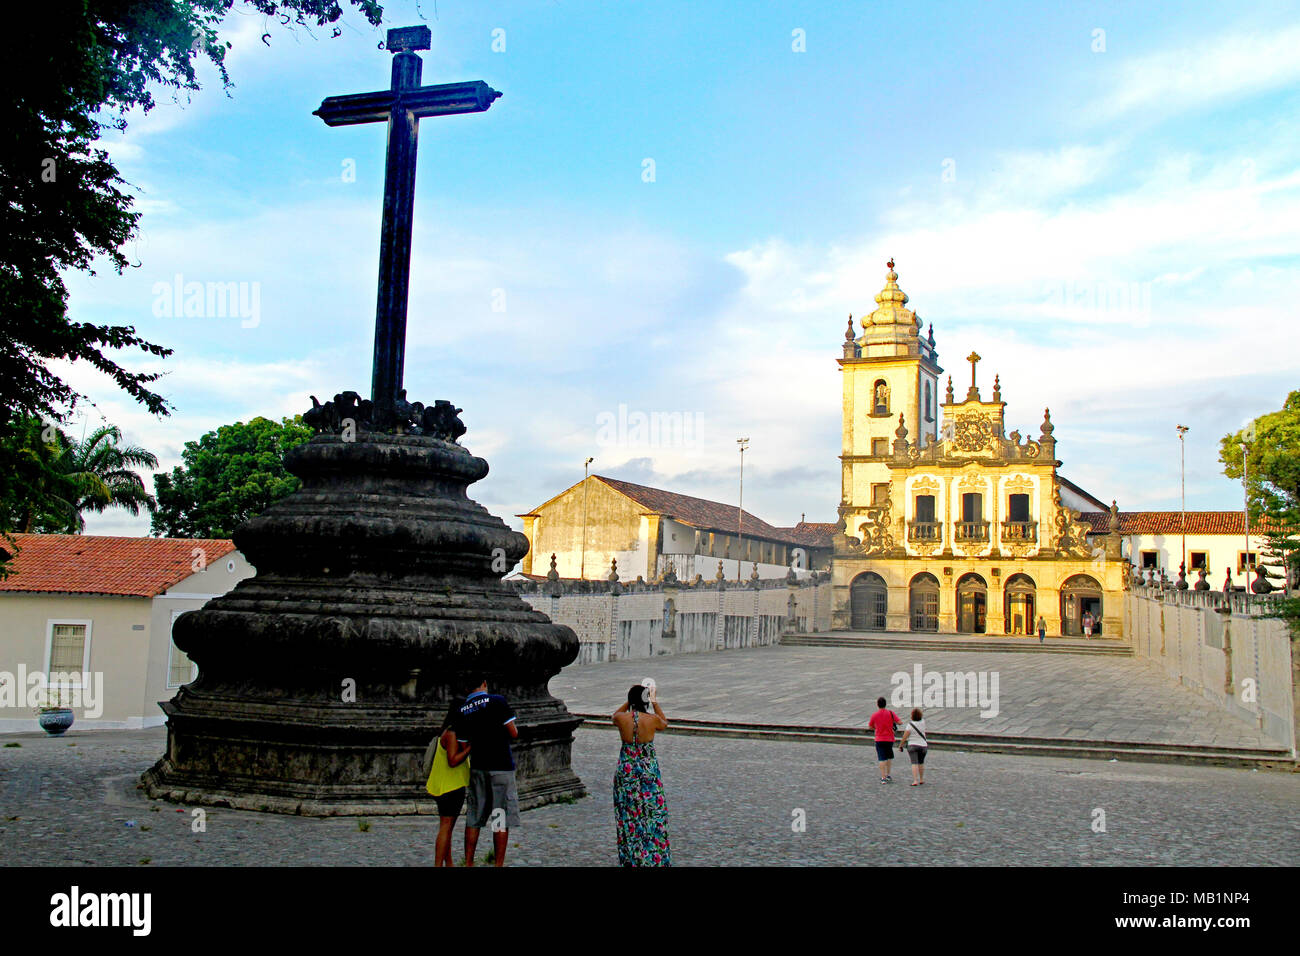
487 723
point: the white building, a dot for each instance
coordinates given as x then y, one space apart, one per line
102 608
1212 540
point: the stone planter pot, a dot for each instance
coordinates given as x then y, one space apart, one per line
56 721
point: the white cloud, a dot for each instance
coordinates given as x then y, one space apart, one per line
1219 69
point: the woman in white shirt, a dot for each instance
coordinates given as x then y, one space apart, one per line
915 744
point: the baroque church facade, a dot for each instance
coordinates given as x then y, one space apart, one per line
946 523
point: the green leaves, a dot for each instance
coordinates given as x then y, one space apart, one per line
63 204
49 479
229 476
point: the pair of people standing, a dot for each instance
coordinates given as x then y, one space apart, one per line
884 724
471 759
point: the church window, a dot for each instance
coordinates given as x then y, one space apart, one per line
1200 559
1150 559
929 411
972 507
1018 508
880 447
880 397
1245 560
879 493
925 508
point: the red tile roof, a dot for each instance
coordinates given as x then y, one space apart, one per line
1171 522
813 534
99 564
699 512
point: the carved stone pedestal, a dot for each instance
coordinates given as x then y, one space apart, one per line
377 594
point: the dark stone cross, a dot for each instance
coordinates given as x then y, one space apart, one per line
403 105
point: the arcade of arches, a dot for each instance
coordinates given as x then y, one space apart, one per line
965 605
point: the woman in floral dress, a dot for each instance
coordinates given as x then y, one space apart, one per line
640 811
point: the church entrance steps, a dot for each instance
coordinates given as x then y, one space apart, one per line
906 640
1155 752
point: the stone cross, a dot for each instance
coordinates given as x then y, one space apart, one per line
402 106
973 358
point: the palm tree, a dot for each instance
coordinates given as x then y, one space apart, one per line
50 479
98 471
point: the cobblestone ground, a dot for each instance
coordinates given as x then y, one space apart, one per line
67 801
1040 695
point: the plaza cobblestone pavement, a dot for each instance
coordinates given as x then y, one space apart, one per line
68 800
1040 695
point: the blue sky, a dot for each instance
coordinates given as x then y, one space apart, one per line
1111 219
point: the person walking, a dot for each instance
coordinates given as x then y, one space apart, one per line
1042 628
1088 622
915 745
640 808
446 764
882 723
487 723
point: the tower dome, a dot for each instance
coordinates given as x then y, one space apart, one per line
890 314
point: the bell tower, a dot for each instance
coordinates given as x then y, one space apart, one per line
889 370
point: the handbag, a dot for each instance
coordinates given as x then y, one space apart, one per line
443 777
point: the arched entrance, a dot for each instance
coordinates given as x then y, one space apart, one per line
1080 595
923 598
1018 604
972 604
868 596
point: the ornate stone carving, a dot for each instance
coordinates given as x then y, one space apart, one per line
1071 533
439 420
1019 484
974 431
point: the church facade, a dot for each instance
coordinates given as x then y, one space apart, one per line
946 522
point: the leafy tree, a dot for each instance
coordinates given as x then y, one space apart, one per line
76 72
229 476
52 479
1272 461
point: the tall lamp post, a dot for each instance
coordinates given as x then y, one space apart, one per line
740 509
1245 505
1182 481
582 566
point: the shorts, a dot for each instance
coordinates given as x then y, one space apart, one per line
884 750
450 803
916 754
491 791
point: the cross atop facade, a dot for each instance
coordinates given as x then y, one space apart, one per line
402 106
973 358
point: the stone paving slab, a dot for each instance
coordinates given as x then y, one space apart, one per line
1059 695
66 801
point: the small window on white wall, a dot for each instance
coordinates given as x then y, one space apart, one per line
69 646
180 669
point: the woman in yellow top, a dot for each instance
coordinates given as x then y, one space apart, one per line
445 762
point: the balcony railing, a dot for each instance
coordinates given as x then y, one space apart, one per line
972 531
1020 531
924 531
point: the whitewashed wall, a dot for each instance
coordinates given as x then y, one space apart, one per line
1191 640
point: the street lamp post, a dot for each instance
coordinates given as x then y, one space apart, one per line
1245 504
582 566
740 509
1182 481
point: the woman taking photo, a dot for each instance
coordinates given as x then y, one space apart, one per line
640 811
447 764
